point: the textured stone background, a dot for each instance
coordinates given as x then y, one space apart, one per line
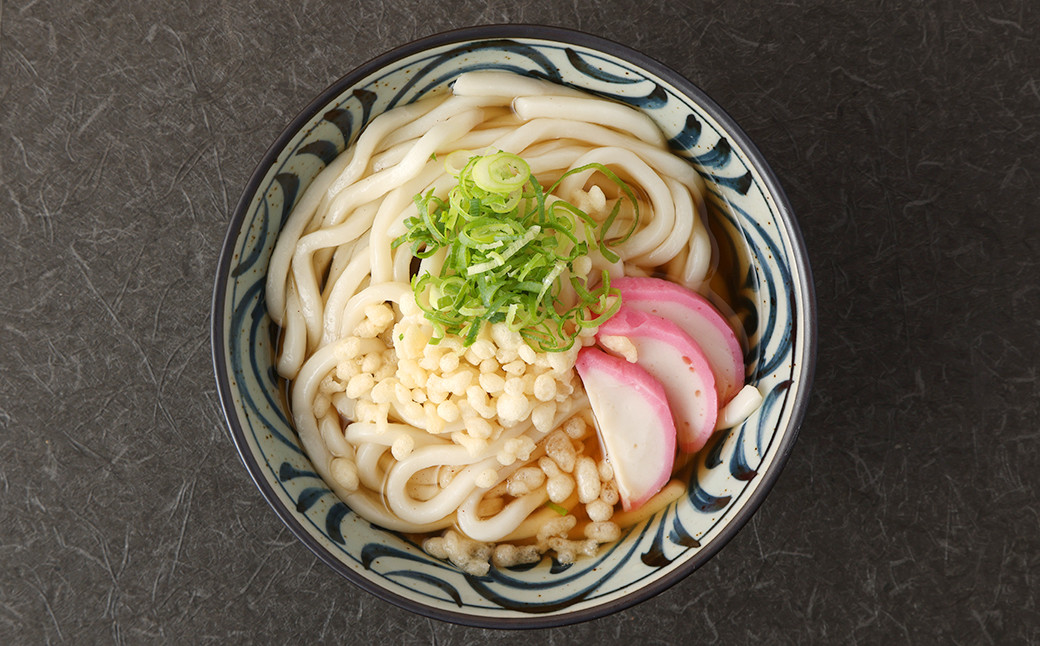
905 134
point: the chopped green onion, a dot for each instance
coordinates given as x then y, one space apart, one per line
557 508
507 253
497 260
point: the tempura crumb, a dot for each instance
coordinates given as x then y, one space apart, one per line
470 394
621 346
472 557
506 555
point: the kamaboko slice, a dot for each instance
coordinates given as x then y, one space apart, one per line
698 318
674 359
633 421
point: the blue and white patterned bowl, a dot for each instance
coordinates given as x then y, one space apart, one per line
774 300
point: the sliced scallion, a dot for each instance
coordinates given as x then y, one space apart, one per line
507 252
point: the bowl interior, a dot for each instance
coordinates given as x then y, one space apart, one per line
764 273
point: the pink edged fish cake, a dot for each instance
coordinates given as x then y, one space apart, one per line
634 422
675 360
698 318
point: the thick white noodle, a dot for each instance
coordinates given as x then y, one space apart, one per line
475 140
335 257
306 278
604 113
370 506
506 84
448 500
294 340
699 259
452 106
373 137
362 432
344 254
369 456
338 231
509 519
530 526
656 226
293 228
396 206
743 404
380 183
354 310
342 291
497 527
402 265
679 237
332 436
597 136
305 388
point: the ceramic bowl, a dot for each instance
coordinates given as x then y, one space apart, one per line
773 299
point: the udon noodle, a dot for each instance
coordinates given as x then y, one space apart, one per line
493 443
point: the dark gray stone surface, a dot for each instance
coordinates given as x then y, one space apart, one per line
905 134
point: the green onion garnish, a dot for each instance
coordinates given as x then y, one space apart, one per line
557 508
506 251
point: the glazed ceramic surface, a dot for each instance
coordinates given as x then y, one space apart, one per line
772 298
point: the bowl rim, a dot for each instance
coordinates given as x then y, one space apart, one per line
734 132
